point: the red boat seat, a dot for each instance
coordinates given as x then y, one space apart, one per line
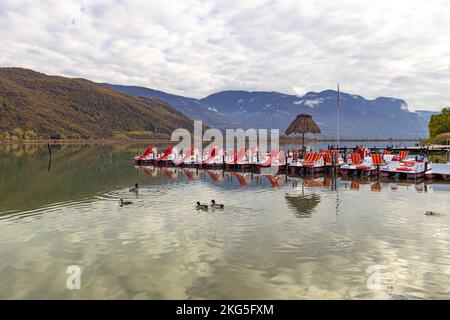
403 154
146 153
404 169
377 159
356 158
409 163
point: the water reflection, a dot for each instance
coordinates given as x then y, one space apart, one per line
231 178
278 237
319 181
304 205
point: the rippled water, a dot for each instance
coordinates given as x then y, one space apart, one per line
280 238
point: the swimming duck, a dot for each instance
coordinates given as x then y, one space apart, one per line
431 213
135 189
202 206
216 205
125 203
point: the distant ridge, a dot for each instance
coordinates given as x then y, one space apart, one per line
191 107
383 117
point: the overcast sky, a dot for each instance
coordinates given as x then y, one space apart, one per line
373 48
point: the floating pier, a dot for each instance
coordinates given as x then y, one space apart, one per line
359 161
425 149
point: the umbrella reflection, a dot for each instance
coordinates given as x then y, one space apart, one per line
304 205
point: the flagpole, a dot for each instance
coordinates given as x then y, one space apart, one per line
338 138
337 116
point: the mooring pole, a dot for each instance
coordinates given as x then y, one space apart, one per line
334 165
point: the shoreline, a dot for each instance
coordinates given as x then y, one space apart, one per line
90 141
157 141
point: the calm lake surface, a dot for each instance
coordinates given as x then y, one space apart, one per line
277 238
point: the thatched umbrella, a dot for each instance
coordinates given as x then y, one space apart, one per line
304 123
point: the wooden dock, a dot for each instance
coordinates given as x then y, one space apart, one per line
426 149
431 148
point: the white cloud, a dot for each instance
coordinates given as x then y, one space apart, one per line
196 47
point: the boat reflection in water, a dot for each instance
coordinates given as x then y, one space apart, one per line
303 191
318 181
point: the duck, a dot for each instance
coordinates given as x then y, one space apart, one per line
216 205
431 213
135 189
202 206
125 203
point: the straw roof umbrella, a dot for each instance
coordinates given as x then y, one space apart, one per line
304 123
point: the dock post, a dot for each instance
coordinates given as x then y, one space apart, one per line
50 159
286 160
333 164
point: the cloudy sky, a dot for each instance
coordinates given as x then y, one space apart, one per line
373 48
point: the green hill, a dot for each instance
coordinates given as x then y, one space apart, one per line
33 103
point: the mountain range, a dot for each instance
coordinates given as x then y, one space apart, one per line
382 117
30 100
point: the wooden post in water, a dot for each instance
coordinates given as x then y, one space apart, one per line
286 166
333 165
50 159
286 160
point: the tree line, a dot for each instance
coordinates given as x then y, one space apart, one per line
439 127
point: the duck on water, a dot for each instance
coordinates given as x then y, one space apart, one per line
136 188
125 203
216 205
201 206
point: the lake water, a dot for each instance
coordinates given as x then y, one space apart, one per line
277 238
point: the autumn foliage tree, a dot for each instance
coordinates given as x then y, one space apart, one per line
440 123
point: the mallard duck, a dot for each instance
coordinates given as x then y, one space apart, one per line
216 205
431 213
202 206
125 203
135 189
